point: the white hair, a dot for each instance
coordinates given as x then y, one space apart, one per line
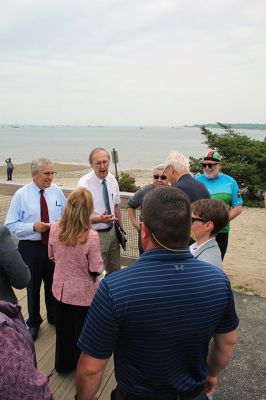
178 161
160 167
37 165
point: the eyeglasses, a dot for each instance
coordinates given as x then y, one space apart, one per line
162 177
49 173
166 168
194 219
210 165
103 162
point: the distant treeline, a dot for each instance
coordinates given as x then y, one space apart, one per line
233 126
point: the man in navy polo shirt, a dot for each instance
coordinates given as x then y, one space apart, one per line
158 316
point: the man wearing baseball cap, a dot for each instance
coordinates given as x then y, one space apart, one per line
222 187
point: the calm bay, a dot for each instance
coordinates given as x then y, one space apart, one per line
138 147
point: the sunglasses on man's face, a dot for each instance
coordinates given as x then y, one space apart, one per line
194 219
162 177
209 165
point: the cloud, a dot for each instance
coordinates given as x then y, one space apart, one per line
138 62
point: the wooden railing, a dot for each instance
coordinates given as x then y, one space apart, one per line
128 256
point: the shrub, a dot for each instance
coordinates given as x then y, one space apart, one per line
126 182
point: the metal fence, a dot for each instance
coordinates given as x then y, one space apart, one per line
128 256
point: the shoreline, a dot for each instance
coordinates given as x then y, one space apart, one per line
67 174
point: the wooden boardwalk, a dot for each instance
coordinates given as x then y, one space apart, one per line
62 385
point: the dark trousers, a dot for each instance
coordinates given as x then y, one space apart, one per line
35 255
9 173
222 240
69 320
120 394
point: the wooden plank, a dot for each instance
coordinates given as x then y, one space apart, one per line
63 386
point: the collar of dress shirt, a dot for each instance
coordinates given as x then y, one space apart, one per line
99 179
36 187
197 247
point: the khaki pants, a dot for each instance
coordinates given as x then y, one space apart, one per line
110 250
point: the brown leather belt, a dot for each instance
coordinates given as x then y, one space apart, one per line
105 230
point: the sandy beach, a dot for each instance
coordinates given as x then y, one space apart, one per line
245 260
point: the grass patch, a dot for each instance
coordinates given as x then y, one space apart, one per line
246 290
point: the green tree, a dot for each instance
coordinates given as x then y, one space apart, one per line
242 157
126 182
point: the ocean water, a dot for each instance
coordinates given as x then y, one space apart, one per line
138 147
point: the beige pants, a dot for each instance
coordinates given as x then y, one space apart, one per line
110 250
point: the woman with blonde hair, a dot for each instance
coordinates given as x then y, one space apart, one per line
75 249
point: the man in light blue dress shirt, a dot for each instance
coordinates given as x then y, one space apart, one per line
24 222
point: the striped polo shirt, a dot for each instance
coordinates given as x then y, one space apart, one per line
158 317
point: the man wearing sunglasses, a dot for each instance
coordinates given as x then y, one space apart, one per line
222 187
159 179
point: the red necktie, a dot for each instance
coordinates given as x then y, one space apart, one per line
44 217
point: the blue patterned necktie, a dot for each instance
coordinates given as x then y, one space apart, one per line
106 197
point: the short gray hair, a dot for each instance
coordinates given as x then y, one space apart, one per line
178 161
160 167
38 164
96 151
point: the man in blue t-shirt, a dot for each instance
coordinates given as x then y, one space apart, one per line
158 316
222 187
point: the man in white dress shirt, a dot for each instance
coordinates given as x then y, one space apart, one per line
106 199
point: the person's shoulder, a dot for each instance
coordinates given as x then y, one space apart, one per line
119 278
55 187
188 178
147 188
111 178
209 268
227 178
4 231
201 185
93 234
200 178
210 244
24 189
54 230
85 179
54 227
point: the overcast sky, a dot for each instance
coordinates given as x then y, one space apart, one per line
132 62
